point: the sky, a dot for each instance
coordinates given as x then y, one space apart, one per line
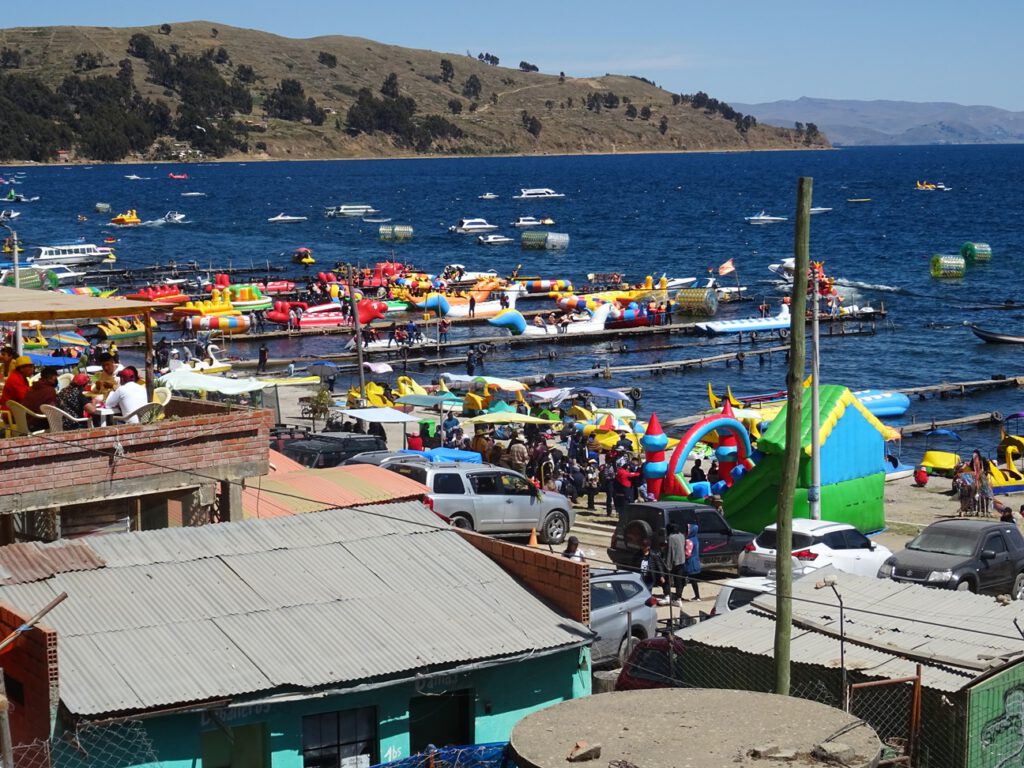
737 52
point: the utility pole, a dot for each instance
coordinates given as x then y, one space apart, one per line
791 460
359 334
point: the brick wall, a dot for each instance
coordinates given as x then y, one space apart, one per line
77 467
562 582
31 671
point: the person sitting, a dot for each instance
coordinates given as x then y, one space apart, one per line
106 382
42 392
538 321
16 386
129 396
74 400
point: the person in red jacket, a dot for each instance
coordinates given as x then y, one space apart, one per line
16 387
622 487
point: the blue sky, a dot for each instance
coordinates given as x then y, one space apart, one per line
738 52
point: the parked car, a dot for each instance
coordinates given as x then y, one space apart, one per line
654 663
737 593
330 450
720 543
622 613
381 458
490 499
816 543
975 555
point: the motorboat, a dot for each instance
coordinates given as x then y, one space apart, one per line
784 269
62 272
764 218
531 221
383 220
494 240
457 274
17 197
282 218
350 211
994 337
819 209
537 193
676 283
472 226
9 215
177 175
725 292
71 254
193 194
926 186
174 217
134 177
127 219
488 196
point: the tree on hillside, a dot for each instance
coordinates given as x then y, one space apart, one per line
389 88
126 73
245 74
214 32
329 60
165 29
454 106
526 66
86 61
631 111
663 125
141 46
471 88
645 112
447 70
287 101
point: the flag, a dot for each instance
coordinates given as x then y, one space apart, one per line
726 268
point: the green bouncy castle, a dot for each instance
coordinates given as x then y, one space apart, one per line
852 467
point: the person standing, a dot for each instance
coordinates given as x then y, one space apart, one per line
443 327
692 566
261 365
591 482
676 560
651 567
622 487
573 551
697 473
472 305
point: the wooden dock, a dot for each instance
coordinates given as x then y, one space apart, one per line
964 388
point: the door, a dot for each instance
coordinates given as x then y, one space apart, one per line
865 559
520 510
488 501
243 746
606 618
996 574
444 720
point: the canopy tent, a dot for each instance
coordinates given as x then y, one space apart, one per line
509 418
23 304
380 415
56 362
607 394
185 380
428 401
509 385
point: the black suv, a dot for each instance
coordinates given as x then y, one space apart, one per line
321 451
974 555
720 544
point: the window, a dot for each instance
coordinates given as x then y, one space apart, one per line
335 739
629 589
419 474
711 522
834 540
448 482
485 485
602 594
740 597
768 539
856 540
995 543
514 485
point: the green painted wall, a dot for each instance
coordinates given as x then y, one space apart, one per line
995 721
502 696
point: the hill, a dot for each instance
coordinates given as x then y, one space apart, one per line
852 123
201 89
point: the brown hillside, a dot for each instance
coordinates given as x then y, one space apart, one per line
495 125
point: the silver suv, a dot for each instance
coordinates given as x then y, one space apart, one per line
490 499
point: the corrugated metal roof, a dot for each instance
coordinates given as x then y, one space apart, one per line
751 631
959 629
310 490
185 615
31 561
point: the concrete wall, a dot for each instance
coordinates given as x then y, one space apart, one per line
501 697
77 467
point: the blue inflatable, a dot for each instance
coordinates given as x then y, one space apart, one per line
510 318
435 302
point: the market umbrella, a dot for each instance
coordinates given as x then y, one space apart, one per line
70 339
508 418
323 369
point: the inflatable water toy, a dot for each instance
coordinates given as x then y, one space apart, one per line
126 219
117 328
228 324
942 460
161 294
779 322
303 256
514 321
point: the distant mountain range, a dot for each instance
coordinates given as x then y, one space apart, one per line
859 123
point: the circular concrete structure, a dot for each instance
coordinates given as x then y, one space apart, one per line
699 727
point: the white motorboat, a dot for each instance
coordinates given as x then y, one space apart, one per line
764 218
537 193
133 177
174 217
193 194
532 221
472 226
675 283
71 254
494 240
725 292
457 274
350 211
62 272
282 218
819 209
488 196
784 269
9 215
17 197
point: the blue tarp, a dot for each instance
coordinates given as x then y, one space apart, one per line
453 454
56 362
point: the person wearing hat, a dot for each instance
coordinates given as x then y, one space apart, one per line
130 395
43 390
7 356
573 551
74 400
16 387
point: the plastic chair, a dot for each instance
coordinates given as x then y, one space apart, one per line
22 419
144 414
56 417
162 395
64 379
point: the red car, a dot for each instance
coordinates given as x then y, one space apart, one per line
654 663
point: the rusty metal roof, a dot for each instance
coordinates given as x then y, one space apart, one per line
31 561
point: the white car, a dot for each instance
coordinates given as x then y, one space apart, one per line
737 593
816 543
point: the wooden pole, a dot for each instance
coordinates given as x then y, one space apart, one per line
791 460
150 383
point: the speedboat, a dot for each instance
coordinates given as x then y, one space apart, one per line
764 218
488 196
177 175
531 221
458 274
494 240
994 337
72 254
784 269
9 215
537 193
282 218
193 194
127 219
17 197
349 210
725 292
174 217
819 209
926 186
472 226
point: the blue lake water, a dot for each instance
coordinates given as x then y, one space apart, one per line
635 214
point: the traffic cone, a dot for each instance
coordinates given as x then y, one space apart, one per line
533 538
